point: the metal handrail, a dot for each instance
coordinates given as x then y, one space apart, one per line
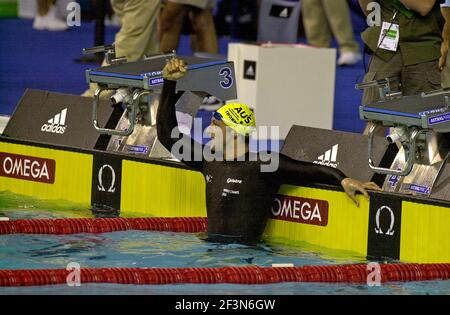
132 114
410 153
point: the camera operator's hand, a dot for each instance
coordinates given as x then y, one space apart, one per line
352 186
175 69
444 53
445 38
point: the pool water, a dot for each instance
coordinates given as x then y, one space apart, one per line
167 249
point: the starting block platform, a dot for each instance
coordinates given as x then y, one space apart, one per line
212 76
419 125
137 86
426 112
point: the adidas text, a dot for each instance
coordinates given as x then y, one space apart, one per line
56 124
327 163
53 128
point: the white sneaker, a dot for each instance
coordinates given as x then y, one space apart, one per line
211 103
49 22
113 21
349 58
39 22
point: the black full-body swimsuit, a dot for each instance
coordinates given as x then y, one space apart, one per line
239 196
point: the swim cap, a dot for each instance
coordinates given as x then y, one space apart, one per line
239 117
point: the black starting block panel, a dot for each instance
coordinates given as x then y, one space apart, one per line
424 112
57 118
212 76
342 150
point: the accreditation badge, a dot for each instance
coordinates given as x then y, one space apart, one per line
389 36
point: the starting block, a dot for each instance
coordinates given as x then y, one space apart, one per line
420 125
137 86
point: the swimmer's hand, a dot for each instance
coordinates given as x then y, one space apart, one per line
352 186
175 69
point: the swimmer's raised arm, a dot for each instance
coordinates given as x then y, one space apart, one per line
166 120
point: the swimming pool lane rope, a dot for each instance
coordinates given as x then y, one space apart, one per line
102 225
354 273
249 275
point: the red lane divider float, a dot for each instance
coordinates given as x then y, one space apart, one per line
356 274
102 225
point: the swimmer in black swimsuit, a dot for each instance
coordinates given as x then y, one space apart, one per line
239 195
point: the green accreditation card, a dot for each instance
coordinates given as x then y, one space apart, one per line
403 9
389 36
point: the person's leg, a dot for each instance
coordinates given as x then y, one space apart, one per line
171 24
338 16
138 34
205 31
316 24
193 40
422 77
117 6
46 17
44 6
153 43
380 69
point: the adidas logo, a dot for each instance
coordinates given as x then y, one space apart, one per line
250 71
57 124
329 158
284 13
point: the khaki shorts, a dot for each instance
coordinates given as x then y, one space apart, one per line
413 79
202 4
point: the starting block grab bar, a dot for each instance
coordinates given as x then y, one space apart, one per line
410 152
137 95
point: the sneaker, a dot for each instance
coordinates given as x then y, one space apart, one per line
39 23
349 58
49 22
113 21
211 103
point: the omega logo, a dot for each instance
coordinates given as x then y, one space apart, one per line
112 187
378 229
